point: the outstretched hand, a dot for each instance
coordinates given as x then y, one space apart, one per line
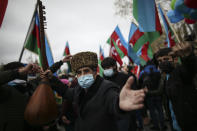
131 99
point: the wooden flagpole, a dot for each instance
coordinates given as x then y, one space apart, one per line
174 31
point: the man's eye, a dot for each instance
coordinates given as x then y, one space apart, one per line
86 70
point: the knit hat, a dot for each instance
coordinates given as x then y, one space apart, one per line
84 59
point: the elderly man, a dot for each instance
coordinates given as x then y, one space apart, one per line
97 100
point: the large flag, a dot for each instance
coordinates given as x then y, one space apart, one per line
141 42
67 52
33 42
145 13
3 6
122 47
168 31
101 57
117 49
119 40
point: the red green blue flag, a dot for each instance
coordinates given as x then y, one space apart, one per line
33 42
119 40
168 31
101 57
115 52
145 13
123 46
141 41
67 52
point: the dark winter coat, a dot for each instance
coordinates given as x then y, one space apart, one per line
97 108
12 103
129 122
120 79
182 91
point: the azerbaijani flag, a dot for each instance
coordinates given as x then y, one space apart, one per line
115 52
101 57
168 31
119 40
145 13
123 46
141 42
67 52
3 6
33 42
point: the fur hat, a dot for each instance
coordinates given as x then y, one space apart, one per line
84 59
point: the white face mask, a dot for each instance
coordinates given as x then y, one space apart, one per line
108 72
86 81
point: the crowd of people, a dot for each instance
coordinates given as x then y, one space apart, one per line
163 95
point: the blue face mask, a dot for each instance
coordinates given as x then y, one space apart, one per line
86 81
108 72
17 82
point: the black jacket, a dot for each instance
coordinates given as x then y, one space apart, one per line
182 91
97 108
120 79
12 103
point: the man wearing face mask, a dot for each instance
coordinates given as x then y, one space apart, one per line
97 100
111 73
12 99
180 84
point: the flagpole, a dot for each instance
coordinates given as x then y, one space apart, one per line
22 51
170 25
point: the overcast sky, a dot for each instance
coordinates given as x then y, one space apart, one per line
85 24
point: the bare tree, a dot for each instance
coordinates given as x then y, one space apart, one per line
124 8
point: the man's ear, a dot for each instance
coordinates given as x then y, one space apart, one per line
94 74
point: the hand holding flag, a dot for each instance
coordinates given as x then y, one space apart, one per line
67 58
